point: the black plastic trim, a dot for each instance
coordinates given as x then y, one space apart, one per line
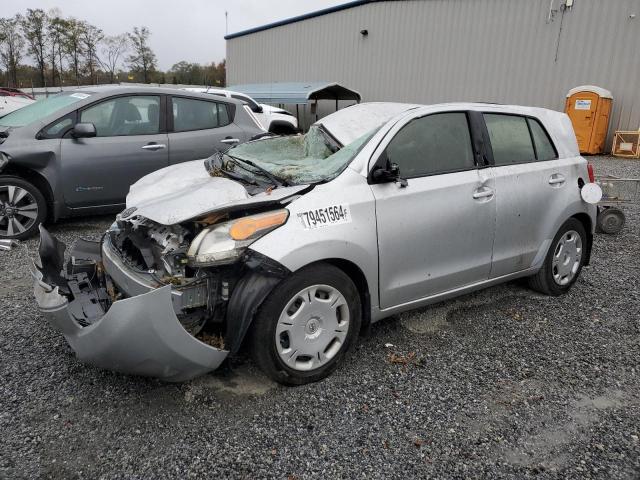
261 276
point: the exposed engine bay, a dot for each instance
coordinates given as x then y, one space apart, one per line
143 280
160 252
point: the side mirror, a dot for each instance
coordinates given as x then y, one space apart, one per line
257 109
389 174
83 130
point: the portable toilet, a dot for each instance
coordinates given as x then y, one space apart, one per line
589 108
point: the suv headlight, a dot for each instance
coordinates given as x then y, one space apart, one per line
225 242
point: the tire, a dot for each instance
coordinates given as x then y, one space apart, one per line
610 220
22 208
562 265
315 342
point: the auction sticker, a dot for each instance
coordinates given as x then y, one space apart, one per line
81 96
325 216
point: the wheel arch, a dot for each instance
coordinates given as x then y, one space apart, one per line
358 277
587 223
38 180
252 290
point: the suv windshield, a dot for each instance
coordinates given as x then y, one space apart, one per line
40 109
301 159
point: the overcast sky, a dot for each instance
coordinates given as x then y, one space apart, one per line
191 30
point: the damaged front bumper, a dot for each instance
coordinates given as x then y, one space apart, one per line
139 335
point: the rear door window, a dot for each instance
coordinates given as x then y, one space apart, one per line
133 115
510 139
191 114
433 144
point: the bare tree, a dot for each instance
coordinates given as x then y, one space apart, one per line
34 28
91 38
142 59
11 47
113 49
56 30
73 45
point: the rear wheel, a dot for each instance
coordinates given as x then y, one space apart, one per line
22 208
305 327
564 261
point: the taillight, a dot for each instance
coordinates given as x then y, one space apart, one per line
592 176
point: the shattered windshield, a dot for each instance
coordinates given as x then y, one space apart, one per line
300 159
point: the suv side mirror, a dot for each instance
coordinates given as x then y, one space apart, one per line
83 130
258 109
389 174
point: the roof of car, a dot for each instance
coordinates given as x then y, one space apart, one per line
351 123
115 89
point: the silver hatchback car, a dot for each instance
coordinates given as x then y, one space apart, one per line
293 245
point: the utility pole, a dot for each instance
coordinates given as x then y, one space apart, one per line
226 23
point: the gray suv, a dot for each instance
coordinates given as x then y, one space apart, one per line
78 152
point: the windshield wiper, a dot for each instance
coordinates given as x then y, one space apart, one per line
278 182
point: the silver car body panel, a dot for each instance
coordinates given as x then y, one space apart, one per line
342 243
351 123
139 336
185 191
415 245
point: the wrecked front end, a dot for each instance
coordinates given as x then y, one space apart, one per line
166 301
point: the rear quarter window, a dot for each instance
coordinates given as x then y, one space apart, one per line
544 146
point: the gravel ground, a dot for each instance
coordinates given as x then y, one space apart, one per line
499 384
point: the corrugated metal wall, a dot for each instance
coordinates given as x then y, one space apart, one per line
429 51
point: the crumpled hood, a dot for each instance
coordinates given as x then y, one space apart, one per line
184 191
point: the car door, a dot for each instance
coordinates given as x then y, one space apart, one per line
530 184
130 142
436 233
199 128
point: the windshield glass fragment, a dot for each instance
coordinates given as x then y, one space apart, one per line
300 159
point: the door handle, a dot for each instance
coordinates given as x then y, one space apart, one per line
483 192
230 141
154 146
556 179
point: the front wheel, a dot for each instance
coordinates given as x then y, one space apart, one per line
564 261
305 327
22 208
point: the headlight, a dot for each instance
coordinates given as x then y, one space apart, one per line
225 242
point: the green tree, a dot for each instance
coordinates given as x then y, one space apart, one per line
11 47
34 28
142 60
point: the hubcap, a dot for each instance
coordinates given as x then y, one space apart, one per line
567 257
18 210
312 327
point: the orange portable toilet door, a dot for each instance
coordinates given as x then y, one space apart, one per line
581 108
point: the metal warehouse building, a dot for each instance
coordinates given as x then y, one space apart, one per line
527 52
